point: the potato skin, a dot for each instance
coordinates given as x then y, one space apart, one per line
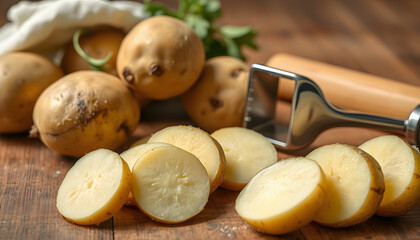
217 100
84 111
23 77
161 57
96 43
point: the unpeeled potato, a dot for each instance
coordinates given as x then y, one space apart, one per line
161 57
84 111
217 100
23 77
96 43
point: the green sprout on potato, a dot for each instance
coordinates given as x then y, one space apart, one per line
94 63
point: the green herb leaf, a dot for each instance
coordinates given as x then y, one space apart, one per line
201 16
199 24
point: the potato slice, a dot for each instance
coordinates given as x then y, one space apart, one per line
283 197
131 156
355 185
170 185
247 152
401 167
199 143
140 141
95 188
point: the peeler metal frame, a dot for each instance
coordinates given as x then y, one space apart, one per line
310 112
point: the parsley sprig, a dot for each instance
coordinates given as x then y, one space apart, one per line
201 15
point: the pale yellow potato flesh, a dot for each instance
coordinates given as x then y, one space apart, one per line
170 184
131 156
247 152
199 143
355 185
140 141
95 188
283 197
400 164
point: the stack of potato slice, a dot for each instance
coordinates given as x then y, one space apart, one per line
171 174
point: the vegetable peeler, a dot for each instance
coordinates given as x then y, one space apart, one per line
310 112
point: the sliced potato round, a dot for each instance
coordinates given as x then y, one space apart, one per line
400 164
170 185
283 197
247 152
95 188
355 185
140 141
131 156
199 143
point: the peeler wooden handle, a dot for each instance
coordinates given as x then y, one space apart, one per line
350 89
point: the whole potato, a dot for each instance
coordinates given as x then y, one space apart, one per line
160 57
96 43
84 111
217 100
23 77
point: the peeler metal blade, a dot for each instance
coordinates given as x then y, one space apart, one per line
294 124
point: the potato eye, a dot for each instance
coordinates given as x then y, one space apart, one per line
215 103
235 73
128 75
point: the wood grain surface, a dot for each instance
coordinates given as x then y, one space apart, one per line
376 37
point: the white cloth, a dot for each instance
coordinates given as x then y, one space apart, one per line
45 26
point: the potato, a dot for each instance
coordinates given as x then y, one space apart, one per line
161 57
131 156
23 77
283 197
199 143
96 43
170 185
400 164
95 188
247 152
217 100
140 141
84 111
355 185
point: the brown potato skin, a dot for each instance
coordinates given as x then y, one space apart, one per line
23 77
96 43
217 100
84 111
161 57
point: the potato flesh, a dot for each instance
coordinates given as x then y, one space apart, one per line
354 184
397 163
131 155
94 188
170 184
246 151
401 166
196 142
279 188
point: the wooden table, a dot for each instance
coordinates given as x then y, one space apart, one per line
377 37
